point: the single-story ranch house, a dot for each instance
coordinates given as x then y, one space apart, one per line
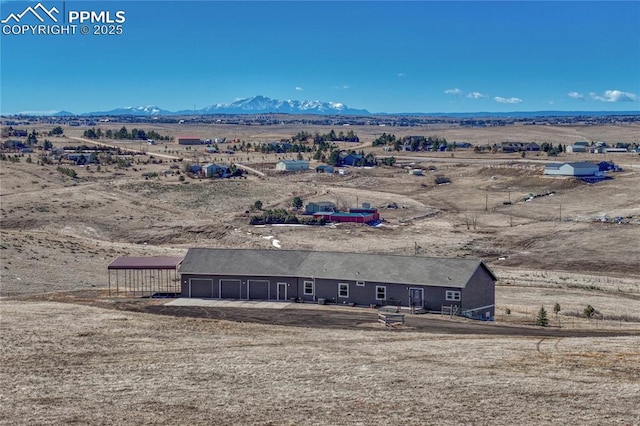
343 278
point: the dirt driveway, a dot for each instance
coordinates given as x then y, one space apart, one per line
320 317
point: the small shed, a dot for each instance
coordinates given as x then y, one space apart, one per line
292 165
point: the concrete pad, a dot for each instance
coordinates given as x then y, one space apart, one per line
216 303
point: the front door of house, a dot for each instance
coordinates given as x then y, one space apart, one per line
416 299
282 291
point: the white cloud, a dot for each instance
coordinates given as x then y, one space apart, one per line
299 89
401 74
476 95
614 96
455 91
502 100
575 95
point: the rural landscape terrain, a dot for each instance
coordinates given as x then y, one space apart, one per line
72 353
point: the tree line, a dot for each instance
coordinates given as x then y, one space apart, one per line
412 143
123 133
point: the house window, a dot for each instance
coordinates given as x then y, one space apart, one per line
343 290
452 295
360 283
308 288
381 292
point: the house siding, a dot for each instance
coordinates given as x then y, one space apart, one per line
479 292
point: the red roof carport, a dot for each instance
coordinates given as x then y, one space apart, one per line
146 274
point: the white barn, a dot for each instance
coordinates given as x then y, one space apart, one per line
292 165
579 168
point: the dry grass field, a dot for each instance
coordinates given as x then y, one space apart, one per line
95 360
66 364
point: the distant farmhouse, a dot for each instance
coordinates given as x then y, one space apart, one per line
357 215
597 148
508 147
323 168
292 165
214 170
352 159
578 169
189 140
433 284
18 133
330 213
578 147
320 206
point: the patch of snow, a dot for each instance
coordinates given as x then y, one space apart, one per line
276 243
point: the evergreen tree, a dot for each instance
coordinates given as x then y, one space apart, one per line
334 158
297 203
542 319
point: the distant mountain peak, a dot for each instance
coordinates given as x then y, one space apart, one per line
258 104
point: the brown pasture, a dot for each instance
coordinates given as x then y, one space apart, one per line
96 360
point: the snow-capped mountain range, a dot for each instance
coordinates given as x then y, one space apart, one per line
253 105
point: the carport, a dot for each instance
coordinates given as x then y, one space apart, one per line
144 276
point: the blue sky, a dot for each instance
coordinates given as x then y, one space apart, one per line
419 56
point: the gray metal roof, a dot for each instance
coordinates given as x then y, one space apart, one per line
413 270
294 161
582 165
554 165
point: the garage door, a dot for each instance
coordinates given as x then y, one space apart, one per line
230 289
201 288
258 289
